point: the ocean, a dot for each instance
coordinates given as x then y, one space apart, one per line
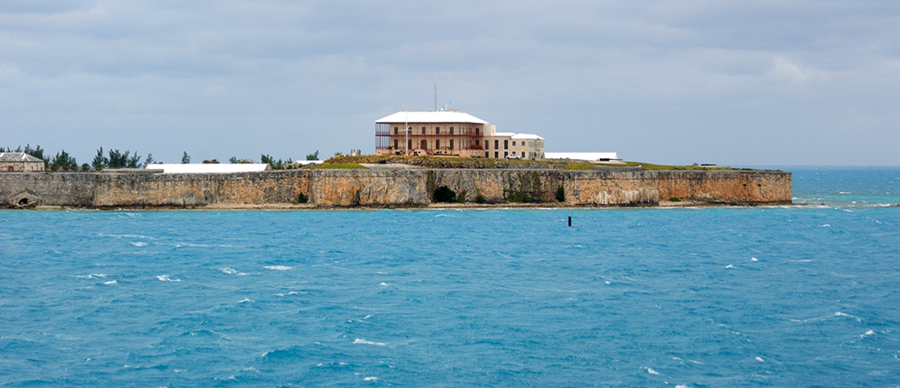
681 297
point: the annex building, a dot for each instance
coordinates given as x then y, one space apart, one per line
20 162
451 133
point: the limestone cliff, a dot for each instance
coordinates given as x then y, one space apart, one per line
389 187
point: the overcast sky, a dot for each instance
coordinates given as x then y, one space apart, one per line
761 82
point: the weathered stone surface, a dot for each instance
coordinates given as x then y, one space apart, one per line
384 187
389 187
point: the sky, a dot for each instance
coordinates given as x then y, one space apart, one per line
761 82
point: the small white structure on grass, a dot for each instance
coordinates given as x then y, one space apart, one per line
583 156
210 168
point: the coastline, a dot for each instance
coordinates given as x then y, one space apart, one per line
433 206
396 188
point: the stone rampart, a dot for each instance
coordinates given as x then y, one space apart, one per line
388 187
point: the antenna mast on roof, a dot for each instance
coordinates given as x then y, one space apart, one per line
435 93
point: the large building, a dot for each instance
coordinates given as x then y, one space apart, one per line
20 162
451 133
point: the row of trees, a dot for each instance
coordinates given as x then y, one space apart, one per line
114 158
63 161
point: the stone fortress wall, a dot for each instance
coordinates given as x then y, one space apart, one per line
328 188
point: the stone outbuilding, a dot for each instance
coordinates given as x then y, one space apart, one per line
19 162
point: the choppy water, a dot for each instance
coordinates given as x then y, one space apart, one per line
787 296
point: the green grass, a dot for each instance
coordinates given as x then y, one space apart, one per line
441 161
580 166
355 166
651 166
346 161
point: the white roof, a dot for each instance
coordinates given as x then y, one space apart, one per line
589 156
17 157
527 136
523 136
208 168
430 117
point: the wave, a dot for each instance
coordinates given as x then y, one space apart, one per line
91 276
840 314
360 341
290 293
166 278
232 271
278 267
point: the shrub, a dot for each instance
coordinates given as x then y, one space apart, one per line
516 196
461 196
674 199
479 198
560 194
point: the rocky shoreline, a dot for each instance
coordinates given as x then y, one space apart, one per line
395 188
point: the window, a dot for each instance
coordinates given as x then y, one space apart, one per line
496 154
451 130
437 144
496 144
437 130
409 144
396 131
524 155
476 131
514 143
424 144
423 130
506 144
451 144
505 154
487 154
396 144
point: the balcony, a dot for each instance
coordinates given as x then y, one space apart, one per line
414 133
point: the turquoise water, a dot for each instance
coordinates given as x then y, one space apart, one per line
781 296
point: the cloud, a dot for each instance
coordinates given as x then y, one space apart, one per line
787 70
621 76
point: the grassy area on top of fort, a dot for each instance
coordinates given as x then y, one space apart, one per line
650 166
338 166
446 162
484 163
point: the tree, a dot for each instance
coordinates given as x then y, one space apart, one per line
117 159
313 156
37 152
149 160
63 162
134 161
100 161
185 159
267 159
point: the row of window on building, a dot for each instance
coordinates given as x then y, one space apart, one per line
437 130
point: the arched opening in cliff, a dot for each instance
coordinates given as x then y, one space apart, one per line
23 202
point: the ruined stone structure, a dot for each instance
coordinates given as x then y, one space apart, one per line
388 187
19 162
